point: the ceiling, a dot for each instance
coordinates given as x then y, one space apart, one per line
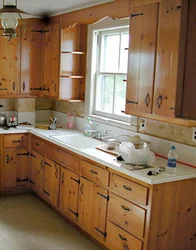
52 7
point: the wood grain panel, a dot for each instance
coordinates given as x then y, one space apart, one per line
38 145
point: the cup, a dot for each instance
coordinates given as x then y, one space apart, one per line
111 143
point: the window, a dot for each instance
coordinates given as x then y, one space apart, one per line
107 58
111 72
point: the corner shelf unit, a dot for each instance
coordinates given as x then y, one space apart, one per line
73 63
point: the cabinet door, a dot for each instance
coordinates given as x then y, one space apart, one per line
167 57
69 185
51 70
143 32
51 182
22 167
93 201
9 168
37 172
31 61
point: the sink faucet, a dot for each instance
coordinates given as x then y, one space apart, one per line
109 133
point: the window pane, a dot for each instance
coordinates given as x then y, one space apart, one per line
124 53
110 53
120 94
104 94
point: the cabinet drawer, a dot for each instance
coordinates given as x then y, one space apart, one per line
127 215
118 239
16 140
38 145
129 190
94 173
58 155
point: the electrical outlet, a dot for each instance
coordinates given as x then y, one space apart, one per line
142 124
194 135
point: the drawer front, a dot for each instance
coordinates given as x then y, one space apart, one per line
62 157
15 141
127 215
118 239
94 173
38 145
129 190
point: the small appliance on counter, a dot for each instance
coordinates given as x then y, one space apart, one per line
4 124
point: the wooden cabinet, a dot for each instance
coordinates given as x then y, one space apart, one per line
51 60
37 172
69 188
93 200
15 162
186 90
31 55
153 61
9 66
51 182
73 61
143 30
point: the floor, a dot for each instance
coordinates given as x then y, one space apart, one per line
26 223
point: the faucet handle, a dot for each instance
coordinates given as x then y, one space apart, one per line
109 133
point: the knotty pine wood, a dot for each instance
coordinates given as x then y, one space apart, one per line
38 145
31 60
143 31
69 191
15 141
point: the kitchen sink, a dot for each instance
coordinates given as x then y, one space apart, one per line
78 141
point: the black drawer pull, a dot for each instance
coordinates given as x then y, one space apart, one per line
131 102
17 141
122 238
127 188
125 208
37 144
93 172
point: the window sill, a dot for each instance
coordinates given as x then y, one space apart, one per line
115 123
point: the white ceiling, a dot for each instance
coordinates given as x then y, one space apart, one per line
40 7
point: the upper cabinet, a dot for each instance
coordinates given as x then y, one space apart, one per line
154 56
31 49
73 63
51 60
186 88
9 66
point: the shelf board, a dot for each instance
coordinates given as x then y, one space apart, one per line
71 100
73 77
73 52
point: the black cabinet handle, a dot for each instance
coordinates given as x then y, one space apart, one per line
127 188
93 172
131 102
23 86
125 208
159 101
122 238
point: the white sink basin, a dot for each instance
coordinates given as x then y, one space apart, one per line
78 141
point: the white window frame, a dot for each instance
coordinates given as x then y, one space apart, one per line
105 24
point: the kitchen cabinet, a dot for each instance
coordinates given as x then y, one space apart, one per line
15 162
152 87
186 90
31 58
51 60
9 66
69 188
143 29
73 61
37 173
93 200
51 182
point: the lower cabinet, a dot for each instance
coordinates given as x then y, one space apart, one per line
51 182
15 168
93 200
37 173
69 186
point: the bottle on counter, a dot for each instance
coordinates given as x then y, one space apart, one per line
88 127
171 163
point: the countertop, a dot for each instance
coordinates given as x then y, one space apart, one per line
182 172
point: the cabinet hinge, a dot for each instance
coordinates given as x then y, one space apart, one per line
47 164
78 181
23 180
36 89
131 102
23 154
33 155
134 15
40 31
32 181
105 234
76 214
46 192
105 197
